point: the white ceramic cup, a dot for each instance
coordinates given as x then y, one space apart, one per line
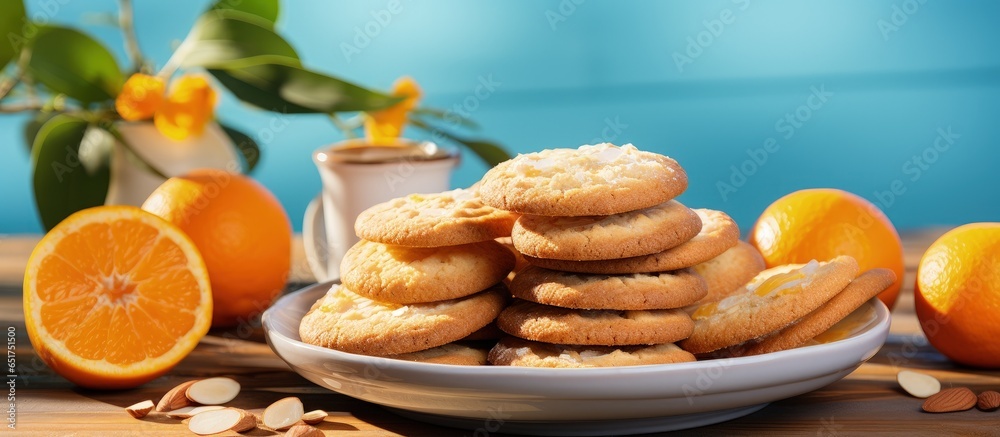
357 175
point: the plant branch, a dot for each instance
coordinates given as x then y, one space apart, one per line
127 23
21 107
9 83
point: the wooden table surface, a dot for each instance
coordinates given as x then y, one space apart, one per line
866 401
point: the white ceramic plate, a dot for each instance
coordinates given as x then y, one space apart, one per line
598 401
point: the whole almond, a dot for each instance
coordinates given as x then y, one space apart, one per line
950 400
988 400
175 398
303 431
143 408
313 417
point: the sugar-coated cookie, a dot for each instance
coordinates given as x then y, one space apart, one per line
726 273
405 275
859 291
513 351
640 291
451 353
774 299
429 220
349 322
718 233
601 179
557 325
624 235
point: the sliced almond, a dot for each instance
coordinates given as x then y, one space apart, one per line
988 401
175 398
283 413
188 412
303 431
950 400
140 409
213 391
920 385
226 419
313 417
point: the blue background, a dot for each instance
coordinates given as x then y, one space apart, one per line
567 71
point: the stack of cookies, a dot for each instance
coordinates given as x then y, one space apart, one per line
611 254
426 273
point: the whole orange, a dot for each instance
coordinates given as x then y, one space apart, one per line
242 232
822 223
958 294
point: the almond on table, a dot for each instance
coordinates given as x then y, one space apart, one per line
950 400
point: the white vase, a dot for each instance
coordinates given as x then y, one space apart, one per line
131 184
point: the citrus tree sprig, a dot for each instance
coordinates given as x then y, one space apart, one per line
69 82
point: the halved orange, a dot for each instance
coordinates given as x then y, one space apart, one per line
115 296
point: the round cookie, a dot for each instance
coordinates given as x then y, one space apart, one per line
513 351
718 233
774 299
624 235
451 353
429 220
728 272
603 292
405 275
349 322
601 179
550 324
859 291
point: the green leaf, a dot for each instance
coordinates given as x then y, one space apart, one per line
72 63
294 90
31 128
12 21
488 151
62 184
247 147
266 10
221 41
447 116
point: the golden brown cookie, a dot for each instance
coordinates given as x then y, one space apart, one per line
624 235
638 291
726 273
430 220
404 275
602 179
774 299
551 324
451 353
859 291
349 322
718 234
513 351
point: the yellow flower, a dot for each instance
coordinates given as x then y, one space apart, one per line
141 96
188 108
382 127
